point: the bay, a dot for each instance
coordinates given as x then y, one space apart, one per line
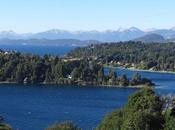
37 106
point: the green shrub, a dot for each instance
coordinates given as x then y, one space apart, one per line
5 127
63 126
142 112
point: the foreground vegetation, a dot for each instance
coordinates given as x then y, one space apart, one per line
63 126
4 126
25 68
153 56
144 111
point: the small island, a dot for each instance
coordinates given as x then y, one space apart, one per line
30 69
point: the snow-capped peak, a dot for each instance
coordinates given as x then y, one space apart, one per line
56 31
133 29
121 29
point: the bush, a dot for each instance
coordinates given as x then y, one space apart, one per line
5 127
63 126
142 112
112 121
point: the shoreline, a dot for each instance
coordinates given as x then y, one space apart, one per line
80 85
141 70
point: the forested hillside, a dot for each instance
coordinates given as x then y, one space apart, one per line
154 56
25 68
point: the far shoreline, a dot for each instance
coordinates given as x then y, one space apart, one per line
141 70
80 85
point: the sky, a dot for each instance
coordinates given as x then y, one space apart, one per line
25 16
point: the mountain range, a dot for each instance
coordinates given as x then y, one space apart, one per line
149 38
102 36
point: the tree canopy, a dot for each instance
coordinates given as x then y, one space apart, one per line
144 111
23 68
154 56
63 126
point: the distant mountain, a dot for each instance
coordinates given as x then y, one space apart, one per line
9 34
57 42
109 35
103 36
13 35
167 34
149 38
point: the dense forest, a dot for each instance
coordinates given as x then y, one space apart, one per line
153 56
25 68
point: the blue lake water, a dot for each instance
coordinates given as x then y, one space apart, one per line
39 50
37 106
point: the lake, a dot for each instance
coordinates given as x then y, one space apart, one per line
40 50
37 106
